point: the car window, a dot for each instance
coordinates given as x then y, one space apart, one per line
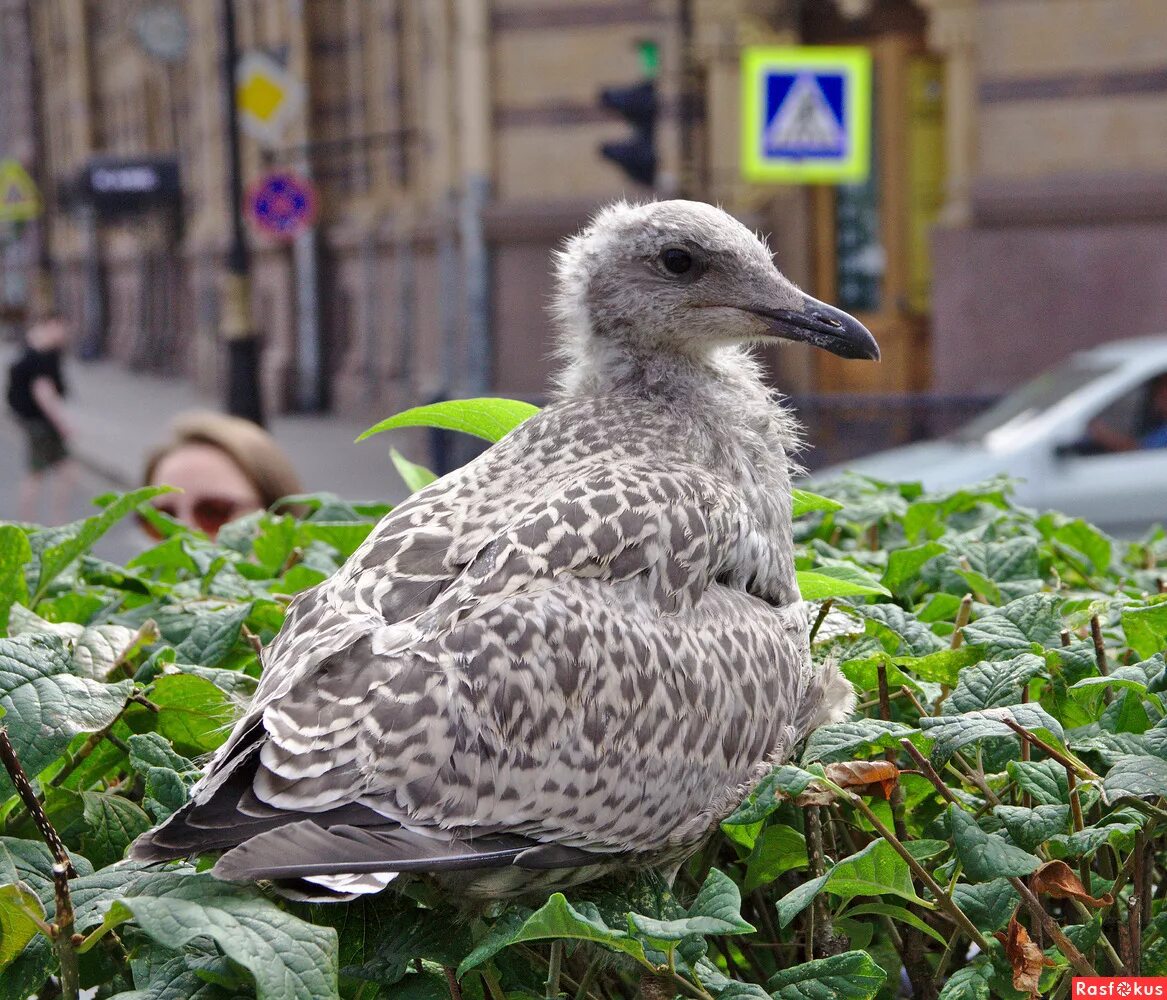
1032 399
1136 421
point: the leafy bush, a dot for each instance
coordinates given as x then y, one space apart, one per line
990 822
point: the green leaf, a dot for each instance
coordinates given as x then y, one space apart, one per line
14 555
194 714
1026 625
716 910
1045 780
994 684
900 913
873 871
944 666
1085 842
844 740
343 536
876 870
113 823
1088 540
288 957
1145 627
1136 776
853 975
837 581
73 540
381 936
986 856
557 918
149 750
45 706
1125 714
160 974
989 905
900 631
798 899
970 983
488 418
803 502
951 732
763 800
415 477
903 565
1029 828
95 649
778 849
213 636
18 908
922 850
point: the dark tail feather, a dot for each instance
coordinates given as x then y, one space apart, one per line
306 848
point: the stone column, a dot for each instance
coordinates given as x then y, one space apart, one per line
952 34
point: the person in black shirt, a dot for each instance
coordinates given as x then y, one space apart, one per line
36 392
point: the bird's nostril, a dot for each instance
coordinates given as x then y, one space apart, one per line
828 320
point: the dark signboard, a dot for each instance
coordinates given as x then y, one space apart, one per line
121 186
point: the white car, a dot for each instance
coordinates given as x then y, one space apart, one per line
1047 435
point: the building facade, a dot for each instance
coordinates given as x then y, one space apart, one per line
1017 209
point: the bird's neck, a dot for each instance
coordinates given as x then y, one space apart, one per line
603 366
719 396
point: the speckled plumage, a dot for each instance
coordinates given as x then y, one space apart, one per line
578 650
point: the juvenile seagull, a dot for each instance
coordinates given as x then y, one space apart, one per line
581 649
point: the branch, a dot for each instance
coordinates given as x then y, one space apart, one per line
1064 944
62 926
1078 767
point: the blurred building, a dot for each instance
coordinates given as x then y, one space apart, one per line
1017 208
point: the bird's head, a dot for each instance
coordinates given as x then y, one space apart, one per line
685 277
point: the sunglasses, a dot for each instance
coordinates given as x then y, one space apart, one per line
208 514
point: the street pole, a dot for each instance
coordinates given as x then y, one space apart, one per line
244 397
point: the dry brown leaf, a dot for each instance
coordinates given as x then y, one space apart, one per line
815 795
865 777
1058 879
1024 956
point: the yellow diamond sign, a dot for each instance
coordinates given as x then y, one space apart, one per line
268 96
19 199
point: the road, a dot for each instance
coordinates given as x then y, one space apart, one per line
123 540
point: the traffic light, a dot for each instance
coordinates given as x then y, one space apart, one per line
637 103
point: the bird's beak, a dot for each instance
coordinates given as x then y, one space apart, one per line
823 326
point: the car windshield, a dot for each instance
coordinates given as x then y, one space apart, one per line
1031 400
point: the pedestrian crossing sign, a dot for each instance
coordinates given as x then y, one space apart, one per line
19 199
806 114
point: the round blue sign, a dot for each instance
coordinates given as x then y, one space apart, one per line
282 204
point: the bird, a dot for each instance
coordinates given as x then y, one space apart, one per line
577 653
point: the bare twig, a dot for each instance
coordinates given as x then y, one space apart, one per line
452 982
1135 905
1080 769
962 617
1099 648
824 610
943 900
819 932
1064 944
32 803
551 988
63 942
92 741
62 926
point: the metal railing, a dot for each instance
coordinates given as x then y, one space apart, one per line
844 427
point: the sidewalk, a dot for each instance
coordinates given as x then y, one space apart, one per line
119 416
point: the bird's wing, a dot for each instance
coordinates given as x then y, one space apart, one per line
572 717
534 507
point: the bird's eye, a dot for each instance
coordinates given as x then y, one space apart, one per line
676 261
